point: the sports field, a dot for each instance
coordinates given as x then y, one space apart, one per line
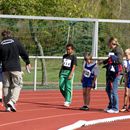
44 110
45 27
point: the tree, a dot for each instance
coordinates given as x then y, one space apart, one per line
110 9
35 8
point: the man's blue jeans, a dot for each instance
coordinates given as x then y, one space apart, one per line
113 94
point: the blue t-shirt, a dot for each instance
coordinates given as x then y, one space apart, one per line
128 73
126 65
89 72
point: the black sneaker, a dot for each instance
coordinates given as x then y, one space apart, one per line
85 108
124 108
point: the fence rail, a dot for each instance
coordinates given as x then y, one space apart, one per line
63 18
51 57
60 57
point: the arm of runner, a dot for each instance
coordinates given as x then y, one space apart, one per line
96 72
28 68
72 71
94 80
23 53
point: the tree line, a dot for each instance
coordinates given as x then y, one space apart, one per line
49 37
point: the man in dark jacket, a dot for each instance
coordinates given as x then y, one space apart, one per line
10 50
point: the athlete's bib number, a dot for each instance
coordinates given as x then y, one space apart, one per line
87 73
67 63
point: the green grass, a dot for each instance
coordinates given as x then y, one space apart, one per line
53 67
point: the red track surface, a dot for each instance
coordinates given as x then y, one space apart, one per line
44 110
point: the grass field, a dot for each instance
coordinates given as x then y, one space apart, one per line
53 67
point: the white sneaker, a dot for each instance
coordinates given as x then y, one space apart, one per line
112 111
12 106
8 109
66 104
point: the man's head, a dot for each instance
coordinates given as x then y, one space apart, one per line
113 42
6 33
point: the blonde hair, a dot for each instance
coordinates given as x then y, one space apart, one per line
127 51
114 39
88 56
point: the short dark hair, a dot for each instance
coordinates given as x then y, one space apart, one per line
6 33
70 45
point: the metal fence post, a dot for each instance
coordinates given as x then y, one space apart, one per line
35 74
95 42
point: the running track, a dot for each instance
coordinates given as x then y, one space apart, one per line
44 110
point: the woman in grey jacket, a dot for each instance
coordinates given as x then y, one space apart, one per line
113 69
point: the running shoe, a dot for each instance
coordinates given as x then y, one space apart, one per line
112 111
12 106
66 104
8 109
124 108
85 108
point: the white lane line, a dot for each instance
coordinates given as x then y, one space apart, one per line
82 123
